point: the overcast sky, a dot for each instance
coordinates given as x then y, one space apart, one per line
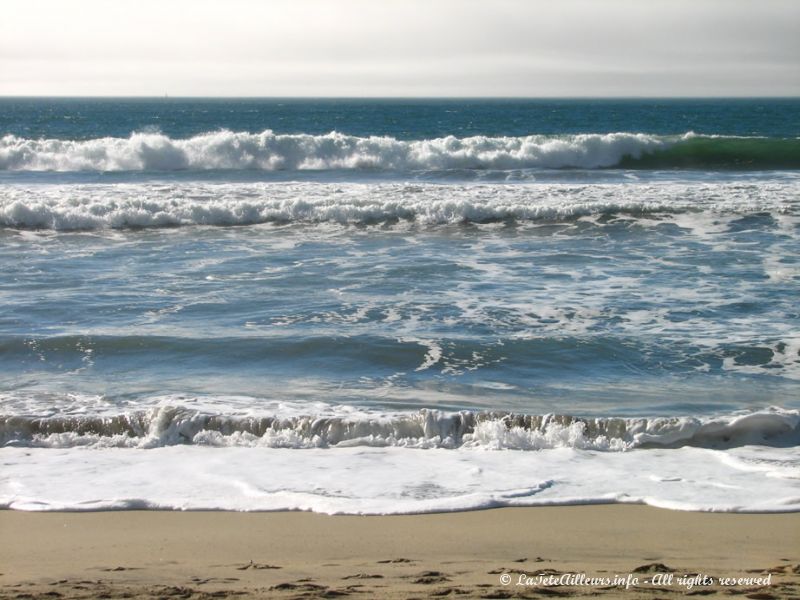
400 48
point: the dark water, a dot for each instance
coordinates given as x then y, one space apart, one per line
86 118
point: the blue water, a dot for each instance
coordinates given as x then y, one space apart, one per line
86 118
399 305
430 254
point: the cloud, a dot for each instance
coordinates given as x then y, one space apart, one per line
408 48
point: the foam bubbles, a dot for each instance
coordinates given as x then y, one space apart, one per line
270 151
67 207
169 425
395 480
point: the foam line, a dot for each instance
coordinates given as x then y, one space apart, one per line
139 205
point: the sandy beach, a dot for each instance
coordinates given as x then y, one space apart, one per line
504 553
399 299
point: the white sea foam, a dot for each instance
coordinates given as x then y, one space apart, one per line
284 427
395 480
270 151
125 205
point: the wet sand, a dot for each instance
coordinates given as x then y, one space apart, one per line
502 553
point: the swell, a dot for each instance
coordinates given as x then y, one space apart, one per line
549 354
228 150
723 153
176 425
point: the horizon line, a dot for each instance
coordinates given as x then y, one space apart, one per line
308 97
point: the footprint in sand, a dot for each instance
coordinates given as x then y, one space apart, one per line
499 594
501 570
300 586
318 591
546 572
447 592
254 565
204 580
655 567
430 577
395 560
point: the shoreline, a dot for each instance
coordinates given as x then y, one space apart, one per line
198 554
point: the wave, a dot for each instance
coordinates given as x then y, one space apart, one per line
228 150
177 425
584 343
131 205
718 152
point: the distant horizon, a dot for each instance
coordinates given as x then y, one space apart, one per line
205 97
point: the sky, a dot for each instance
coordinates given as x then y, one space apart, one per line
421 48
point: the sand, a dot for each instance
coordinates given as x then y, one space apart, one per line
503 553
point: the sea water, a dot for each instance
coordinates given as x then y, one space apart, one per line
383 306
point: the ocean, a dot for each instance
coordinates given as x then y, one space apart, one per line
399 306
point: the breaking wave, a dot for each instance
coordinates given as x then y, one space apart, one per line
176 425
131 205
228 150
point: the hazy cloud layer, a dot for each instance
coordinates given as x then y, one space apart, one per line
394 48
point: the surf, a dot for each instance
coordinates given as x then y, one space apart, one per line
270 151
100 206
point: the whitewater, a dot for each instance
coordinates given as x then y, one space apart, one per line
154 151
379 307
172 204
